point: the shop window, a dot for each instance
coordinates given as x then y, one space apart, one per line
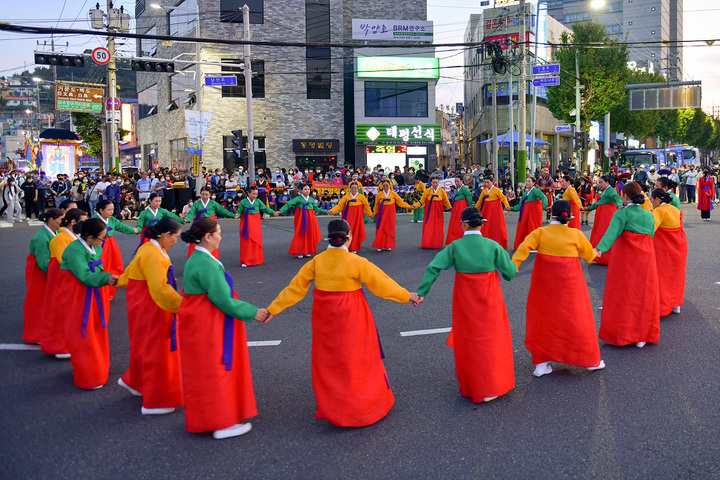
396 99
147 101
258 79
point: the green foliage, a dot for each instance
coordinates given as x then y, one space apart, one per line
639 124
89 129
603 72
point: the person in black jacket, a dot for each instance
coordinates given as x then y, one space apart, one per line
30 192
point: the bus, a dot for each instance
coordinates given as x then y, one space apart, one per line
674 155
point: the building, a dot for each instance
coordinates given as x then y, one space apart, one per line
502 24
308 102
635 21
20 102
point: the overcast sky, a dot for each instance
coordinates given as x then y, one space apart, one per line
450 18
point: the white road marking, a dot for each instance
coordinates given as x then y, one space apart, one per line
266 343
35 223
600 308
717 283
5 225
18 346
430 331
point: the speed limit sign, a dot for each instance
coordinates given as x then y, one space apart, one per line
101 55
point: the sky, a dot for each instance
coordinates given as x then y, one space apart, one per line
450 18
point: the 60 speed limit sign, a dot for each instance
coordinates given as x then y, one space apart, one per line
101 55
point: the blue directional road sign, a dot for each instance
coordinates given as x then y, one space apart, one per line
546 69
225 81
546 81
563 128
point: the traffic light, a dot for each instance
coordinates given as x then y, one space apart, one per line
151 66
237 140
59 60
585 140
578 141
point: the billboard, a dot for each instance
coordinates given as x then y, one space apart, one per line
398 67
403 30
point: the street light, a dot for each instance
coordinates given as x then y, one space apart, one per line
597 3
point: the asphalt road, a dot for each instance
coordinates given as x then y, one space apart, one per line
652 413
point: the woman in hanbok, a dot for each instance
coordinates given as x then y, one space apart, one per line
385 216
251 210
353 205
152 214
531 207
571 195
434 201
207 208
671 251
307 229
605 208
463 199
111 255
490 203
706 193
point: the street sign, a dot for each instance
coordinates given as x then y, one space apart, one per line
101 55
609 152
225 81
546 81
112 116
78 99
546 69
563 128
112 103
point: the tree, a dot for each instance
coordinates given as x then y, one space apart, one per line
89 129
639 123
603 72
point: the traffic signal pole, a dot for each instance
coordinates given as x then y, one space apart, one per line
112 91
522 124
248 95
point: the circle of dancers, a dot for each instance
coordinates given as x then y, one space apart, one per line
190 349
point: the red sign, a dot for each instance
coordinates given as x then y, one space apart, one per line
101 55
112 103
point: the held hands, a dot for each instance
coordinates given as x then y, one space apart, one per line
113 280
236 216
263 315
135 230
416 299
276 214
598 253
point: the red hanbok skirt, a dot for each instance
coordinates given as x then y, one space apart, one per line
671 252
215 398
482 344
455 230
631 303
305 244
433 225
90 355
575 222
34 308
561 330
112 262
348 375
603 215
191 247
356 219
532 217
251 248
154 370
385 232
53 334
494 228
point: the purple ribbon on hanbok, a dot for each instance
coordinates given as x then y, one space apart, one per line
429 204
173 330
88 300
109 229
377 332
199 212
245 227
228 331
304 218
347 206
522 205
482 204
380 210
142 234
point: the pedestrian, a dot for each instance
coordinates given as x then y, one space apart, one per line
152 214
11 198
36 268
571 195
682 183
152 302
691 180
706 193
91 197
586 198
531 207
43 184
490 204
353 205
52 339
207 208
349 379
561 330
605 208
631 303
30 195
481 344
385 216
111 254
216 377
434 201
87 305
463 199
307 230
251 240
671 251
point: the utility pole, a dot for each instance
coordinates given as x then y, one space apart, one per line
112 91
54 71
248 95
533 112
577 108
509 137
198 95
494 142
522 145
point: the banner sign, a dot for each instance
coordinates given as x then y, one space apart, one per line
398 133
398 67
405 30
315 145
196 127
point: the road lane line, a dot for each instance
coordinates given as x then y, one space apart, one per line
265 343
18 346
430 331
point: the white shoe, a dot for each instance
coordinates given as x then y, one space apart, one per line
243 265
419 221
128 388
600 366
379 249
542 369
354 251
489 399
308 256
97 388
640 344
300 256
533 251
156 411
62 356
388 249
234 431
676 309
